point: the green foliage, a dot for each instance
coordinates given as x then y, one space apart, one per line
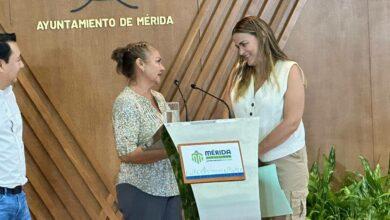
186 194
360 197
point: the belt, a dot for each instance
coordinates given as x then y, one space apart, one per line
16 190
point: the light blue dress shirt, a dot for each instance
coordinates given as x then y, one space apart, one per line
12 160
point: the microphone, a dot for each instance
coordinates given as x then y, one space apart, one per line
177 83
193 86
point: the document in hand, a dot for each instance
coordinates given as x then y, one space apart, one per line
273 202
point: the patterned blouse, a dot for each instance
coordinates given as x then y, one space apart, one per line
135 122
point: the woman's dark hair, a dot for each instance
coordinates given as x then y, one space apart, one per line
5 49
126 57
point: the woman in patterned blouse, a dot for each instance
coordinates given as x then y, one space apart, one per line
146 186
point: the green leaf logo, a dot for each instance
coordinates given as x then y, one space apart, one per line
197 157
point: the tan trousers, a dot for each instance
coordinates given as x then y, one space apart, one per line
293 177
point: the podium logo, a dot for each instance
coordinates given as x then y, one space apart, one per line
218 155
197 157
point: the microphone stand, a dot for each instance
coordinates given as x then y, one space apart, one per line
193 86
177 83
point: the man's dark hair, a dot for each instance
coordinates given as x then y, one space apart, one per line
5 49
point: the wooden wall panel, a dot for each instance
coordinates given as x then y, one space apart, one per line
54 149
44 190
186 54
67 88
53 175
331 43
37 209
69 84
4 13
379 24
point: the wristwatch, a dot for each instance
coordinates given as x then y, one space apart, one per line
148 144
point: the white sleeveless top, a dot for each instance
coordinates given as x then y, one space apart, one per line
267 104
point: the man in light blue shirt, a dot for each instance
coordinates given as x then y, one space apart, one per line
13 204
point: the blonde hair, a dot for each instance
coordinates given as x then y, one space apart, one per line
268 51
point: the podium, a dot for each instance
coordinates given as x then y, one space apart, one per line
230 199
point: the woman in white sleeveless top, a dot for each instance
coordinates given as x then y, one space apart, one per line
266 84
